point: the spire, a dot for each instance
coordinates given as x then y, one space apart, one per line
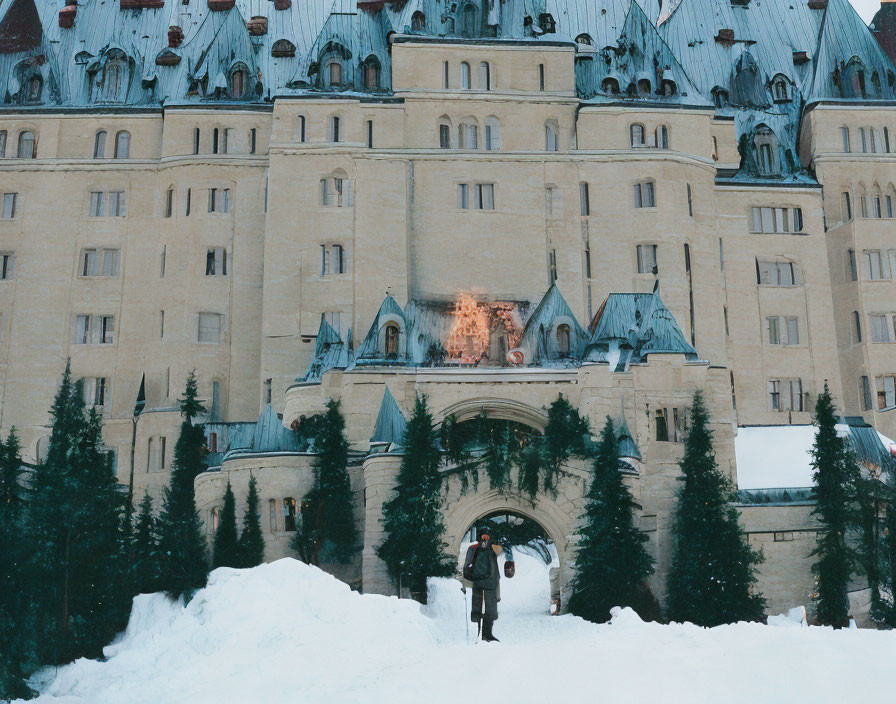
390 422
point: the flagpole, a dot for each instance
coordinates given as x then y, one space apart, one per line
138 409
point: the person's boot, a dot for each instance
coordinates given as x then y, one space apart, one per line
487 634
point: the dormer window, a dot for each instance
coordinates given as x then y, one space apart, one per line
114 83
720 97
765 146
643 88
610 86
390 341
418 22
563 340
669 88
780 93
238 82
33 89
584 39
468 21
371 69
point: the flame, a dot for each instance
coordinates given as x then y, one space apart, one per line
474 321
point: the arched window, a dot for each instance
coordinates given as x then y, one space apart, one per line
99 145
485 76
720 97
418 22
765 146
301 134
334 128
33 88
779 89
669 88
390 340
637 135
289 514
114 84
584 39
852 83
662 137
213 520
123 145
40 449
468 134
27 145
551 139
464 75
643 88
336 190
371 71
334 73
492 133
445 132
239 79
563 340
610 85
468 20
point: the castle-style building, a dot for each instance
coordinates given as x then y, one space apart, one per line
492 202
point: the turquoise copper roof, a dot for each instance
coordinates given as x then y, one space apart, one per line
390 422
330 352
540 343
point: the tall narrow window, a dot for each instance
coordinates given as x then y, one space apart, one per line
9 205
253 139
444 136
27 146
485 196
7 265
637 135
2 144
485 75
563 344
162 258
216 262
123 145
391 341
856 327
215 139
195 140
445 84
863 139
169 202
289 514
645 195
552 265
551 141
647 259
189 197
334 128
99 145
844 137
369 134
584 199
865 390
541 77
465 75
301 128
690 202
463 196
662 137
845 207
886 140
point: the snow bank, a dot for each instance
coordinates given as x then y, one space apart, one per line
288 632
789 466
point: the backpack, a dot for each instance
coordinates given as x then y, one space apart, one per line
479 569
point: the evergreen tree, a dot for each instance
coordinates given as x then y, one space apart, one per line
611 562
225 551
836 474
333 513
145 550
713 565
889 614
413 548
251 543
14 652
182 547
564 436
75 576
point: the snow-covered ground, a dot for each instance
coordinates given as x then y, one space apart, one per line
286 632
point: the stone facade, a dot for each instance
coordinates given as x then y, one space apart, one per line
323 196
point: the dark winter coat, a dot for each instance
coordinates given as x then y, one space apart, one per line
492 581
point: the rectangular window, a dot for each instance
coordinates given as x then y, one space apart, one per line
7 265
445 75
105 329
552 265
776 220
587 263
690 202
853 268
644 195
889 202
338 259
267 390
117 204
778 273
161 325
662 425
584 199
162 258
227 140
99 262
189 198
793 331
856 327
110 262
219 200
874 266
865 391
886 392
485 196
785 394
647 259
541 77
195 140
444 136
253 140
774 333
169 203
95 390
324 260
844 136
370 134
9 206
82 330
97 204
463 196
845 207
863 139
216 262
880 329
210 327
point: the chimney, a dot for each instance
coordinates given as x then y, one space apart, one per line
67 16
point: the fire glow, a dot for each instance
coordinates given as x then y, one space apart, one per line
475 323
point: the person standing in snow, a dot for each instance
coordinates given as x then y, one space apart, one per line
481 568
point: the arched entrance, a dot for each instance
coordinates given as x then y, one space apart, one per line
534 588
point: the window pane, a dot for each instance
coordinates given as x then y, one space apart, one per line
768 220
773 335
793 331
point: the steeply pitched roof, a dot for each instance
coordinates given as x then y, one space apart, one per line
330 352
539 343
630 326
390 422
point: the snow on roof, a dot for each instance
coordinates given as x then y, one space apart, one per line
779 456
774 457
